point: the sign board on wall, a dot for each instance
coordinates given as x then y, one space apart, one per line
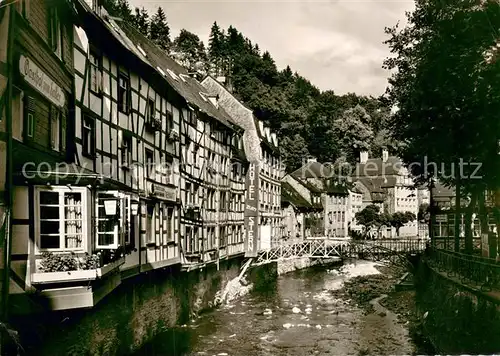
162 192
252 211
35 77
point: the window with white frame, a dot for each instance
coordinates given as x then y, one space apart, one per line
150 166
150 111
168 225
55 31
60 218
88 136
126 150
150 224
55 124
95 73
29 112
113 219
123 92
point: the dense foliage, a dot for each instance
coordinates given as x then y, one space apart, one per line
446 86
372 217
308 122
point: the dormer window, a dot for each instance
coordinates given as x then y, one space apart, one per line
172 74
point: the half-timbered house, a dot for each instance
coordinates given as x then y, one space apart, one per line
36 119
212 166
126 130
263 179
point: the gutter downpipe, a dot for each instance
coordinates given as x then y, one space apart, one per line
9 168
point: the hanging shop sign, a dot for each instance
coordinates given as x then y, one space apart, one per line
252 211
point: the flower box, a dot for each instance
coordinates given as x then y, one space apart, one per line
75 276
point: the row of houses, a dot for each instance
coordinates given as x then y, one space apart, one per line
116 161
317 202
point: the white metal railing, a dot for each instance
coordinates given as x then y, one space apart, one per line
337 248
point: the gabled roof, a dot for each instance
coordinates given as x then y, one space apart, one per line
185 85
290 195
376 167
375 187
263 138
312 169
150 55
442 192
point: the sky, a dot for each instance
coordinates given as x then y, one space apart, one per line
336 44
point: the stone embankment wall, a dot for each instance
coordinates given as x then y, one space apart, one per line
139 309
457 319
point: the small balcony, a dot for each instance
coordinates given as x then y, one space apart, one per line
153 124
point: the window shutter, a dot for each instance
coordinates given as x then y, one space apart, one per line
30 104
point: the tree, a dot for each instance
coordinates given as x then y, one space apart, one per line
383 219
141 21
293 152
216 48
118 8
443 87
399 219
159 31
191 50
423 211
354 132
368 217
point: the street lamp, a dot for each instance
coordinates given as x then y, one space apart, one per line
110 206
134 207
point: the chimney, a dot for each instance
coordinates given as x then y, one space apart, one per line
385 155
226 82
363 157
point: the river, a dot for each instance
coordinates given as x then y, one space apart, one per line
296 316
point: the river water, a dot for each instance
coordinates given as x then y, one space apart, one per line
296 316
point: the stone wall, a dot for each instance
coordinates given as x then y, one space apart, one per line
457 320
132 315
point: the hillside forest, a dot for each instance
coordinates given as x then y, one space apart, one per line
309 122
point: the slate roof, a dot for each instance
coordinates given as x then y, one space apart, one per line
375 167
186 86
264 141
290 195
441 192
375 187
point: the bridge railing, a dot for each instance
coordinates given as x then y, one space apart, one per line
483 273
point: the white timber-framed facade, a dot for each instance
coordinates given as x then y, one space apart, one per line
212 167
263 218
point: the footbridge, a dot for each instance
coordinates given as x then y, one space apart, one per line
387 250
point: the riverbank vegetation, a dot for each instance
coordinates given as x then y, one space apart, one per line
328 126
362 290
